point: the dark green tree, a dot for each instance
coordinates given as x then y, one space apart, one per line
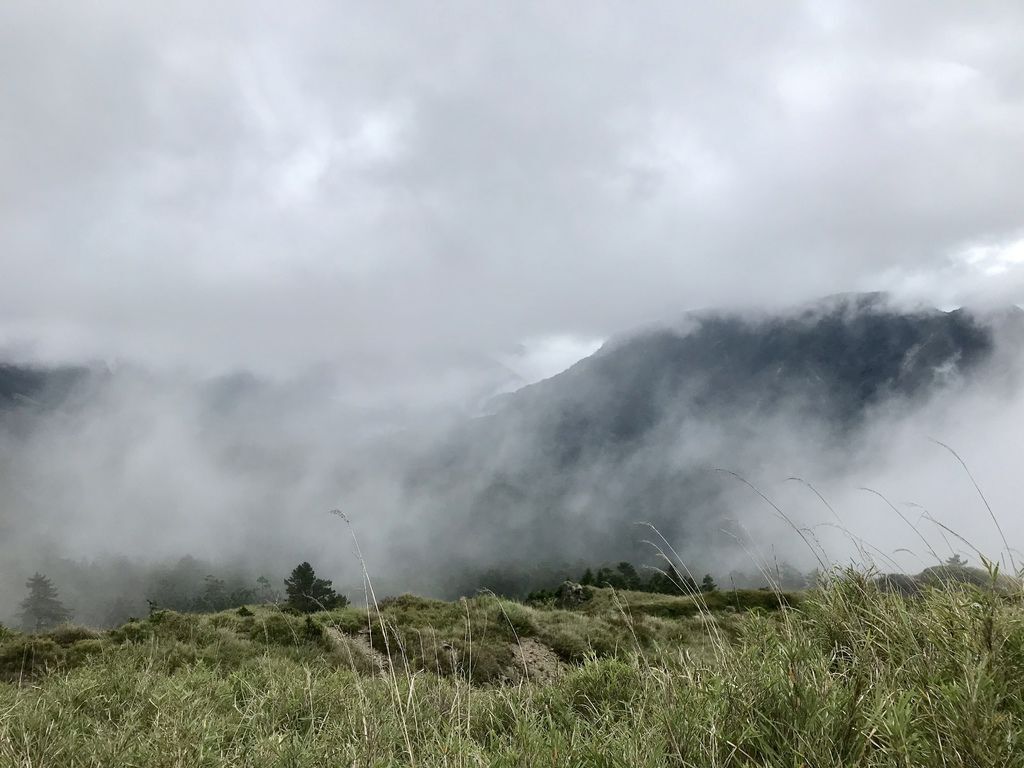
214 596
669 582
308 594
588 578
606 577
707 584
630 578
42 609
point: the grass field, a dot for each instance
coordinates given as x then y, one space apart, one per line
844 675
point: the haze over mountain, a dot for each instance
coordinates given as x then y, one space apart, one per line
635 432
122 463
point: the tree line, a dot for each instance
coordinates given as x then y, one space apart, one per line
625 575
666 582
304 592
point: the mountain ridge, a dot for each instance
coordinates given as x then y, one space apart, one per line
634 431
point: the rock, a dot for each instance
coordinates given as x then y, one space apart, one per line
571 595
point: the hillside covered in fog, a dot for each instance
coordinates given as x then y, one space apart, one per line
119 464
636 431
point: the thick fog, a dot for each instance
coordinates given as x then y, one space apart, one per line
305 252
241 186
135 471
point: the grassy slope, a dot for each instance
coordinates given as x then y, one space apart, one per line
849 676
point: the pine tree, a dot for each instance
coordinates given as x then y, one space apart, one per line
630 578
707 584
669 582
588 578
42 609
214 596
308 594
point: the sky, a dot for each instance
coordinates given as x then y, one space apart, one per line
409 189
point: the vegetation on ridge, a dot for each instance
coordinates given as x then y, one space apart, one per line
851 674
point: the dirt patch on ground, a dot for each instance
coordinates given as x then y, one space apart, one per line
533 661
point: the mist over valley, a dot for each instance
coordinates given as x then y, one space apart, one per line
112 475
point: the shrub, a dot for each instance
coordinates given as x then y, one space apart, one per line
82 650
228 651
311 631
276 629
488 661
69 634
568 643
348 653
28 656
517 616
183 627
351 621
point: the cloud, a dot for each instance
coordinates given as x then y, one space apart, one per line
138 469
240 186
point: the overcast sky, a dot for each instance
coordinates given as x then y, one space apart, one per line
220 185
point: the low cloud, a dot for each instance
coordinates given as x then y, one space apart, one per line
226 188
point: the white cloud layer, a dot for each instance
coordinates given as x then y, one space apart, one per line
244 184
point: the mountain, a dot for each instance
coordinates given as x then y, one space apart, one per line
634 432
36 385
836 359
556 472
